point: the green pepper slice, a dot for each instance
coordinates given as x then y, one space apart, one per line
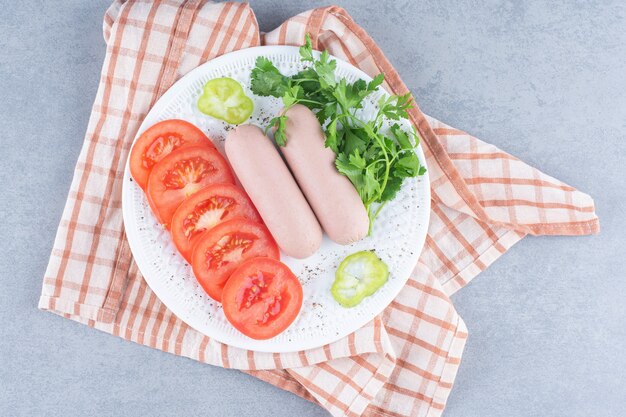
358 276
224 99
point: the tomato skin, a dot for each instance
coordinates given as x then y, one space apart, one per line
181 174
220 250
205 209
262 298
160 140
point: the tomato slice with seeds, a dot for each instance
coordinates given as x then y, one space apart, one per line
204 210
181 174
262 298
157 142
220 250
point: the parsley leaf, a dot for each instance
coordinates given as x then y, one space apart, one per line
326 70
327 112
292 95
347 168
355 140
392 188
376 81
267 79
407 166
331 136
371 185
306 50
395 107
279 122
401 136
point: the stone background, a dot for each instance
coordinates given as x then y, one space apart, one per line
545 81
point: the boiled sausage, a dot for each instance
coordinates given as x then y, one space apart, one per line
274 192
333 198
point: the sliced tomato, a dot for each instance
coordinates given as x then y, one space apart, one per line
159 141
262 298
220 250
181 174
205 209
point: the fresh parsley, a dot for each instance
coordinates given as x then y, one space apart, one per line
375 159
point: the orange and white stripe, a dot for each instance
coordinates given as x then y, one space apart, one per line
401 364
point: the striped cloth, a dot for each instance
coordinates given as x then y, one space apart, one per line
401 364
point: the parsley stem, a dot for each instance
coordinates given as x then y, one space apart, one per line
378 209
375 162
303 100
369 216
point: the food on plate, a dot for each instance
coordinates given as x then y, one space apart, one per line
347 147
157 142
332 196
274 192
359 275
262 298
216 227
221 249
205 209
224 99
181 174
375 157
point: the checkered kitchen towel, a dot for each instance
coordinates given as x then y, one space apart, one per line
401 364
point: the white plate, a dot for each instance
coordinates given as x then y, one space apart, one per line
398 235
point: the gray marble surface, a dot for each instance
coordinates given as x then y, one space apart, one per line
545 81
